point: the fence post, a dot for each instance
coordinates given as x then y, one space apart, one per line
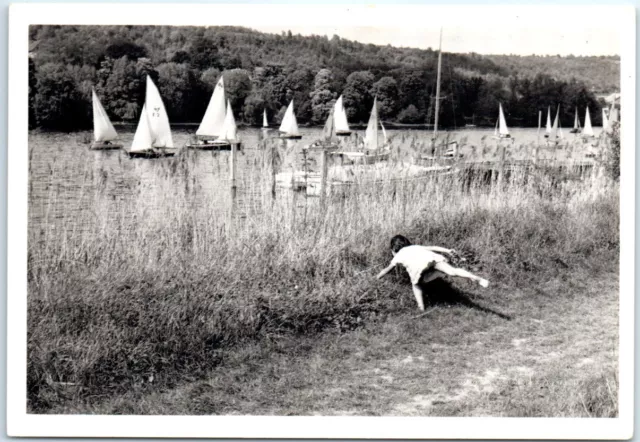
324 167
232 175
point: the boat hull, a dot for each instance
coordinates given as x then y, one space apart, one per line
149 154
290 137
100 145
362 158
343 133
216 145
574 131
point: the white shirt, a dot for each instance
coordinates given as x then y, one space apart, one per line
416 259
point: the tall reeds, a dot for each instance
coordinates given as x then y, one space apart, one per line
148 278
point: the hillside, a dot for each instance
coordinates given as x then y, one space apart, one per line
268 70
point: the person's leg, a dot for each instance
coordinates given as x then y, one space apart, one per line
417 292
461 273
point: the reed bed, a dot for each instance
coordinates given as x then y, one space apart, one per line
144 291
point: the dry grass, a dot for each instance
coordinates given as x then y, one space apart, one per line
146 294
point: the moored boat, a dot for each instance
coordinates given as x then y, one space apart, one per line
340 119
547 131
502 131
289 125
153 135
576 124
212 125
104 134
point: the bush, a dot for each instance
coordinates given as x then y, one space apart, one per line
410 115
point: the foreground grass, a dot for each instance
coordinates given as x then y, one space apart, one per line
159 293
555 357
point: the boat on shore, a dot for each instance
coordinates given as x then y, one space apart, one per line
289 125
104 134
209 133
152 138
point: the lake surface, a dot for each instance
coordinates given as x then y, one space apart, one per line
66 177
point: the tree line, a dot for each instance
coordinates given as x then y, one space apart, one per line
266 71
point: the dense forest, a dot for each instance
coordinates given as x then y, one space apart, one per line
268 70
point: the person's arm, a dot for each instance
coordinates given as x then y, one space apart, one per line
440 250
387 269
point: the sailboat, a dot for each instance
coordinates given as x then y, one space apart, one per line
289 126
502 131
450 146
372 150
153 134
588 130
340 118
212 124
103 131
265 124
605 119
548 127
556 134
576 124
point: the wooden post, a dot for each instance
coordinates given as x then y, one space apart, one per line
535 151
232 175
501 164
324 169
273 171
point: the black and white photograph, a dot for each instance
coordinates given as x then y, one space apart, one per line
398 213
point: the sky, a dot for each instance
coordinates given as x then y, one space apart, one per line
488 29
512 39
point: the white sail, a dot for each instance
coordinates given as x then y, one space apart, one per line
289 123
229 130
371 134
384 133
157 115
548 128
503 130
340 116
264 119
576 122
605 120
213 119
142 139
557 130
103 130
588 130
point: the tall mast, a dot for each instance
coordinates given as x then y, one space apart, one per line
435 123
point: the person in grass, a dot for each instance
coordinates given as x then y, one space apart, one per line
424 264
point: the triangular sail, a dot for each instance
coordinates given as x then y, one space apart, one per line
502 128
157 115
557 130
588 130
289 123
548 127
605 120
229 129
264 119
213 119
142 139
371 134
576 121
384 132
103 130
329 131
340 116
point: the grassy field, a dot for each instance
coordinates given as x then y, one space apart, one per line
181 309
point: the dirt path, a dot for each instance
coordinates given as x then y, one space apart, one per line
557 356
